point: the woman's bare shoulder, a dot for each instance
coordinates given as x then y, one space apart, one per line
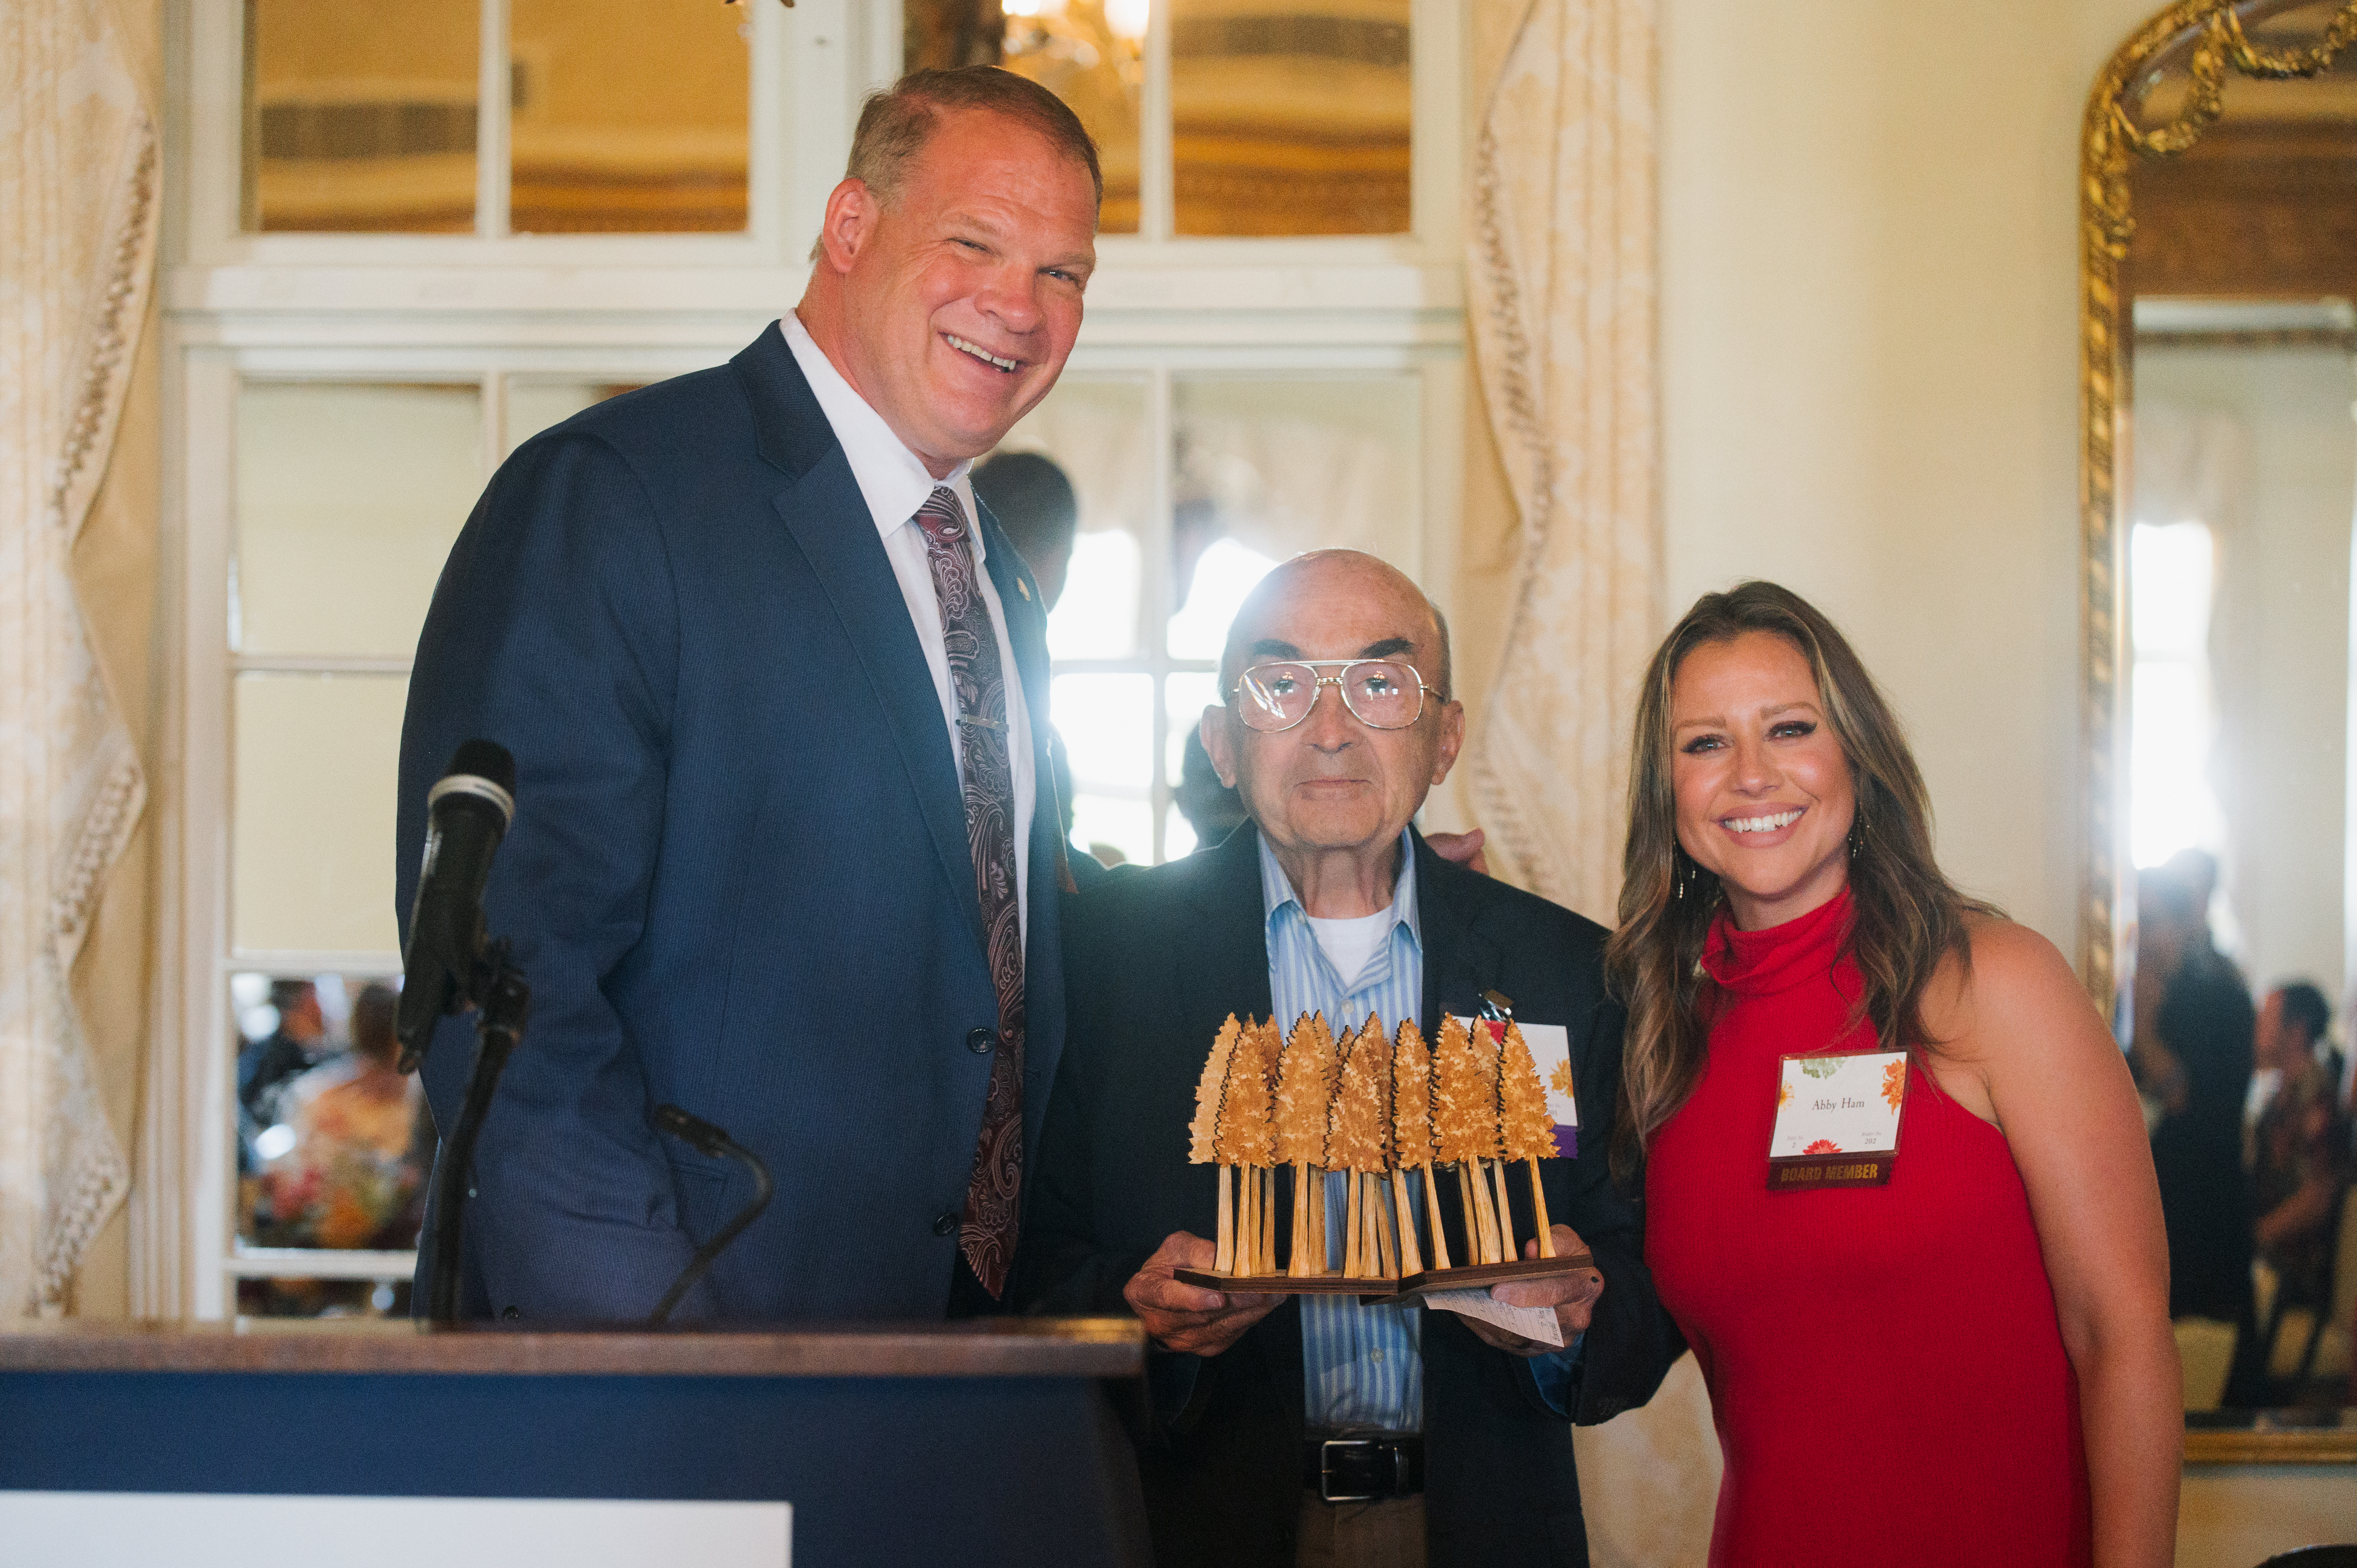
2017 982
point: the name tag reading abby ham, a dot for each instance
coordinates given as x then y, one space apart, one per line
1836 1121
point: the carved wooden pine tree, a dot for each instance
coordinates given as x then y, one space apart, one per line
1203 1134
1411 1144
1354 1142
1525 1126
1487 1038
1465 1129
1244 1138
1381 1231
1336 1050
1272 1052
1304 1093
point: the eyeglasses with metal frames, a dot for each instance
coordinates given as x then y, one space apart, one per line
1381 693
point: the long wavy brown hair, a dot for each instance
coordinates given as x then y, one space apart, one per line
1907 916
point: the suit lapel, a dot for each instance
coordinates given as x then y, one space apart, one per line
1461 960
1226 970
822 508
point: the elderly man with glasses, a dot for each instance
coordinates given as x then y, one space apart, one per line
1316 1429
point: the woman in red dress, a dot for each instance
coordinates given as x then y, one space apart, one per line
1957 1354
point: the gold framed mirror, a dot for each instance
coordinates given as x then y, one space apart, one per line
2218 242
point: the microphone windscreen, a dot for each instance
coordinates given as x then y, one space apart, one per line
484 759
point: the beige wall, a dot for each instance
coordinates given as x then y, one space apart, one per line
1868 330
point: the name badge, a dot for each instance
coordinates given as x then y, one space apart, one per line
1550 1047
1836 1121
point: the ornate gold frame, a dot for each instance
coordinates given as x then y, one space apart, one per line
2109 140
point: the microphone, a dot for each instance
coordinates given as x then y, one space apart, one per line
711 1143
468 813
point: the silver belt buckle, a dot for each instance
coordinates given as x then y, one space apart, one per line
1326 1469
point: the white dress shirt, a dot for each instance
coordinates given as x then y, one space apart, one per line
895 483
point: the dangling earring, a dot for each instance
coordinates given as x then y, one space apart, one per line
1677 874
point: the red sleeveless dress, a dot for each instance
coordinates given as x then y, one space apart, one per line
1885 1367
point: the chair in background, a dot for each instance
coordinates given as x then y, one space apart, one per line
2205 1350
2314 1557
2315 1314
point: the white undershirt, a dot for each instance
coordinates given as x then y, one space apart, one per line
894 483
1350 944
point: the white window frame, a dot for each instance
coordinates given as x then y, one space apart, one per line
489 308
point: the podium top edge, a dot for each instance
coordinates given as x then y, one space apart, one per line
989 1348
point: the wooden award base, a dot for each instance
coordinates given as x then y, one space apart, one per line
1482 1275
1285 1285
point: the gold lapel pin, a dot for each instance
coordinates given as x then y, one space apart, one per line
1023 588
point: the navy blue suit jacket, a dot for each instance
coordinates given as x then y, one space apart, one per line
737 879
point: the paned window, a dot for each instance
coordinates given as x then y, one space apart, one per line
612 116
1213 117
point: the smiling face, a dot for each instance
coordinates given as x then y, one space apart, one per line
1331 783
1764 794
951 308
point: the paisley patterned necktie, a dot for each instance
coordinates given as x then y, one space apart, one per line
991 1198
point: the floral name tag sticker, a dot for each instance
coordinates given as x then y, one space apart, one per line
1836 1121
1550 1047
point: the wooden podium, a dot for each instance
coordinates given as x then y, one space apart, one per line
986 1442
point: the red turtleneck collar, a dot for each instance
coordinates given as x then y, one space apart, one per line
1777 957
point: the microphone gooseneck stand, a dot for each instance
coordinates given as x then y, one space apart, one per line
710 1141
501 1000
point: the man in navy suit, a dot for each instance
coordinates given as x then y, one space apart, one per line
785 850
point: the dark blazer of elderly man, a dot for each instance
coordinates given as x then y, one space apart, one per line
785 851
1459 1434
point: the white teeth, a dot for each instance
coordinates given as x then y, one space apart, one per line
1763 824
978 351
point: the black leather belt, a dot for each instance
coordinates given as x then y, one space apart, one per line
1361 1469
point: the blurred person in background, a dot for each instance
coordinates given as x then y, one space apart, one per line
2301 1147
355 1174
1035 503
1039 511
1212 808
268 1065
2192 1054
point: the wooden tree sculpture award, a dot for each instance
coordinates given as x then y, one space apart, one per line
1374 1110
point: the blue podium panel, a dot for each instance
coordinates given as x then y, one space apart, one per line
1014 1467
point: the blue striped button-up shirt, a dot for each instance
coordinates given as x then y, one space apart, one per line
1362 1367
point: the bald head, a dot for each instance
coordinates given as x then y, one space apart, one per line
1331 793
1338 575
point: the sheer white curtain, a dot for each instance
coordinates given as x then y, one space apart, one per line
78 192
2196 674
1563 272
